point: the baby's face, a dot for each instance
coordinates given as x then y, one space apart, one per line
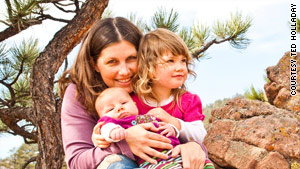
115 103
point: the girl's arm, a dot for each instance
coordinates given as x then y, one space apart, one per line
192 127
77 127
192 131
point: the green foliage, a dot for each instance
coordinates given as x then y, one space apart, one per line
164 19
21 12
233 30
200 37
187 36
3 127
107 13
16 64
256 94
20 157
139 22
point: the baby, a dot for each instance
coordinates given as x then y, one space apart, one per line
118 112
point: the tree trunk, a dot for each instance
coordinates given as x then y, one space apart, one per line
46 114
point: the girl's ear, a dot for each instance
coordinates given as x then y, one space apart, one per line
151 74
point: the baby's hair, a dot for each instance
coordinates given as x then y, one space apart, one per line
152 47
106 91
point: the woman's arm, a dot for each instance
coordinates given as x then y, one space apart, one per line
77 127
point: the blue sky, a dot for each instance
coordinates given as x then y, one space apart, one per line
226 71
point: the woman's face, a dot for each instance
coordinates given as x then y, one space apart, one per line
117 64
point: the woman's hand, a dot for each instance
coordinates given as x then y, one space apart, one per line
143 142
97 139
164 116
192 155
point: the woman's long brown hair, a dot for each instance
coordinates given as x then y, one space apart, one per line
82 73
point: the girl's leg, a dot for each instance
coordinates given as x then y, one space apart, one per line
116 161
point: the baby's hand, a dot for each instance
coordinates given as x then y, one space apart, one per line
118 133
167 129
98 139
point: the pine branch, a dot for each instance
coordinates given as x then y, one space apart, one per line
12 101
9 8
203 48
76 2
11 116
46 16
32 159
19 72
12 31
62 9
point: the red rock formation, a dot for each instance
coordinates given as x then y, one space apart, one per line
249 134
278 89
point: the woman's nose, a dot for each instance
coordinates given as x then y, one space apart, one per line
124 70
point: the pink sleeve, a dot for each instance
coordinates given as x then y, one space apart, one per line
77 127
192 107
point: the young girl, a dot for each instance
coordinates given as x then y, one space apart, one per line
163 65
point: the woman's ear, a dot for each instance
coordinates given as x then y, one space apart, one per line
94 65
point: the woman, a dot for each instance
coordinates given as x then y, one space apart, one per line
108 58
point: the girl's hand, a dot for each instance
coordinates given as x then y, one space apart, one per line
164 116
141 142
168 130
97 139
192 155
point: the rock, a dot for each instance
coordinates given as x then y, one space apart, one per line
247 134
258 135
274 160
278 89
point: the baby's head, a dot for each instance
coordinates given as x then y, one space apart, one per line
116 103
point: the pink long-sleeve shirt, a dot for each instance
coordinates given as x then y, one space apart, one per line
190 110
77 127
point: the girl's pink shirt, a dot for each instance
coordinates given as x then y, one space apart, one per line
190 110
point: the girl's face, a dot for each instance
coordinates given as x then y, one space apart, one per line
117 64
171 72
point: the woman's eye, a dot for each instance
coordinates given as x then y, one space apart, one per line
111 61
132 57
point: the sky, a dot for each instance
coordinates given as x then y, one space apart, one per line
225 71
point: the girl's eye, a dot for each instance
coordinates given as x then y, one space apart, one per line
170 61
183 60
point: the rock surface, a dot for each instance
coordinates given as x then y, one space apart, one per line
250 134
278 89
